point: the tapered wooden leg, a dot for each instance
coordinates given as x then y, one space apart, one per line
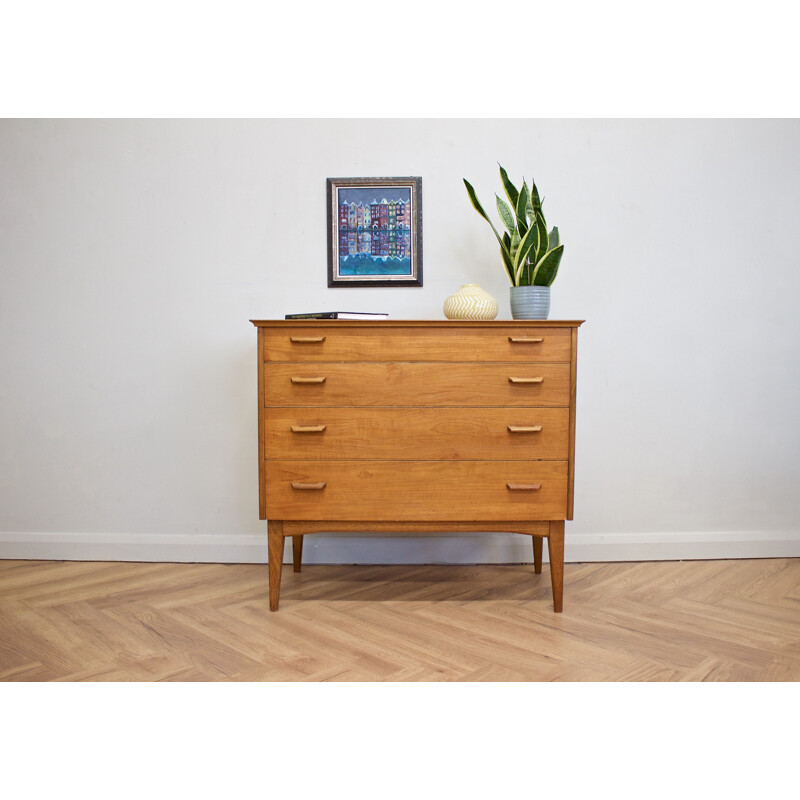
297 551
275 556
538 541
555 549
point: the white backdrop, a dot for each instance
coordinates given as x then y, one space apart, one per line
134 252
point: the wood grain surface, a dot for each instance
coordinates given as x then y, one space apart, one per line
734 620
444 342
415 384
416 490
417 433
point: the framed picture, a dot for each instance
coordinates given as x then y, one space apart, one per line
374 231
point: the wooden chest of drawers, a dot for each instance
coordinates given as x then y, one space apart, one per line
416 426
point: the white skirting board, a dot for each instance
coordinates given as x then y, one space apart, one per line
344 548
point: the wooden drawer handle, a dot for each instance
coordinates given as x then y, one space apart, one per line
308 380
524 428
524 340
308 428
524 487
308 486
306 339
525 380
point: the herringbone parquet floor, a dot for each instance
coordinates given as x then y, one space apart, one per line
736 620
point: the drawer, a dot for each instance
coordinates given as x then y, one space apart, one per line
416 384
416 490
440 343
417 433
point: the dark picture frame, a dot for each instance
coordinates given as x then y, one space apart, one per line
374 231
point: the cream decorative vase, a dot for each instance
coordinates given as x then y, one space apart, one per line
470 302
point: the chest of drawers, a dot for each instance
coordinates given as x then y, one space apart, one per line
416 426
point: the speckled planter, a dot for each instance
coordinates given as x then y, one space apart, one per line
530 302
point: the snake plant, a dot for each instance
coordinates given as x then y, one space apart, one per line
530 254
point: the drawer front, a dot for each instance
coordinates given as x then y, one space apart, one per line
329 343
417 433
419 384
416 490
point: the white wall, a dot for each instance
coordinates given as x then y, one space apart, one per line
134 252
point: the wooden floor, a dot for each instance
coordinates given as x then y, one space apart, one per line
736 620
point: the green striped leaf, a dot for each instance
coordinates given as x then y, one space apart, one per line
507 264
511 191
476 204
505 214
545 271
505 251
507 259
535 201
522 204
530 213
512 252
542 246
521 256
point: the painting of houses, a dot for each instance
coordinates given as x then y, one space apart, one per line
374 232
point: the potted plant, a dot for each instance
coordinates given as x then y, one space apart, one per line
530 254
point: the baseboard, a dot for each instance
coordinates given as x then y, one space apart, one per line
167 547
474 548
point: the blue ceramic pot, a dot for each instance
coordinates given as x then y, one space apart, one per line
530 302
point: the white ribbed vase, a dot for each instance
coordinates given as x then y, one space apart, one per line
470 302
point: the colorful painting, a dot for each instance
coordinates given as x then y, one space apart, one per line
374 231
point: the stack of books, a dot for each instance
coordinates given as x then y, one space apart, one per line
338 315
